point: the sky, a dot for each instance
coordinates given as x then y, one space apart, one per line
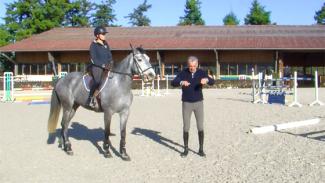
167 12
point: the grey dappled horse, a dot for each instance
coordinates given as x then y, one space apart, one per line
116 97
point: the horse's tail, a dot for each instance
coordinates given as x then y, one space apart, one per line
54 112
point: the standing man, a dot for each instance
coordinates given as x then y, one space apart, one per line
191 80
101 58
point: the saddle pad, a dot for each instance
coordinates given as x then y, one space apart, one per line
88 79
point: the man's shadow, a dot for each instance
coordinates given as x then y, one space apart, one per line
317 135
81 132
155 136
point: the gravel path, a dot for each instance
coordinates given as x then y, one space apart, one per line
154 141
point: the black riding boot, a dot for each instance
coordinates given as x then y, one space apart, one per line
91 100
185 138
201 139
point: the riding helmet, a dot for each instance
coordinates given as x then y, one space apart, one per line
100 30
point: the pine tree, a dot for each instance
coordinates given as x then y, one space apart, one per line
257 15
77 14
193 15
104 15
230 19
5 38
320 15
26 17
137 17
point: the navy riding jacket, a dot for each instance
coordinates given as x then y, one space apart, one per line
100 54
193 92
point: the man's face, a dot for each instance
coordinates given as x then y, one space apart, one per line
192 66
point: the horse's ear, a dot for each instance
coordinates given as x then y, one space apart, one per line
132 48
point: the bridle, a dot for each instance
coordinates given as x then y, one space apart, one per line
137 65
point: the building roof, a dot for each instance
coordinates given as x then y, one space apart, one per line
263 37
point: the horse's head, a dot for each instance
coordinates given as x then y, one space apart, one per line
141 65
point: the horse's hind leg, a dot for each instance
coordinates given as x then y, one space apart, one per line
67 116
107 142
124 118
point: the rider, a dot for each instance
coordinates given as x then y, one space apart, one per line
101 58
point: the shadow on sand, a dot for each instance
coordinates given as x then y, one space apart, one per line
317 135
155 136
81 132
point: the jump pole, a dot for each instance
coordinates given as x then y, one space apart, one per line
295 102
8 87
158 86
253 86
167 92
261 92
317 101
283 126
142 88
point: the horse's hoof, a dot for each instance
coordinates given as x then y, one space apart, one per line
70 153
125 157
108 155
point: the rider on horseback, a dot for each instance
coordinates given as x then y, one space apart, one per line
101 58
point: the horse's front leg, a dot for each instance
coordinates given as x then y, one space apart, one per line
107 142
123 120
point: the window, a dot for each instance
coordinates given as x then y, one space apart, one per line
223 69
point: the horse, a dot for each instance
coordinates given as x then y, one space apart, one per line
116 96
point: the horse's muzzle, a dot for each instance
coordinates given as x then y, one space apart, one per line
149 77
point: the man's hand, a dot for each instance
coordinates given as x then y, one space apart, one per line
204 81
185 83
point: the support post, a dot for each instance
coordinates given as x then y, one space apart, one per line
52 60
295 84
317 101
217 64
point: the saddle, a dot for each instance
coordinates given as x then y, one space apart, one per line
88 81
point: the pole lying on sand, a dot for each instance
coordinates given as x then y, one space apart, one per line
317 101
283 126
295 84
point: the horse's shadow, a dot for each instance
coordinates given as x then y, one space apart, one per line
81 132
155 136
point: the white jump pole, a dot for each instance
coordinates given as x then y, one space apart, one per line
167 92
158 86
142 88
253 86
261 90
283 126
152 88
295 102
317 101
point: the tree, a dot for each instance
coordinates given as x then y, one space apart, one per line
320 15
137 17
4 40
26 17
77 14
230 19
193 15
257 15
104 15
4 36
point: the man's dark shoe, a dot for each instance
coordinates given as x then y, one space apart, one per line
201 139
185 138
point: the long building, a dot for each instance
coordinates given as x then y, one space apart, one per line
222 50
